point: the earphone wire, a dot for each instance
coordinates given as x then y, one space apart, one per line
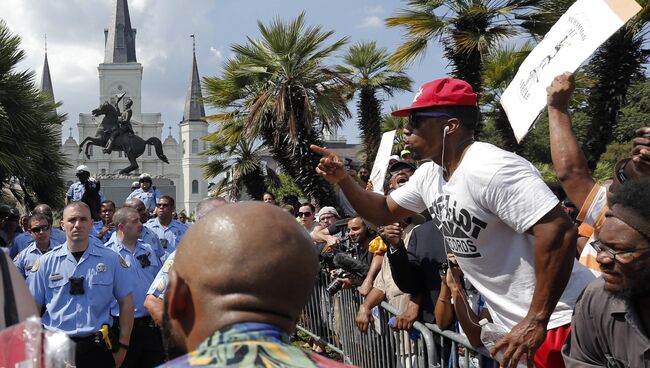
462 295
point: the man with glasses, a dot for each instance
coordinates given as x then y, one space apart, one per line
23 240
39 229
169 231
611 324
506 228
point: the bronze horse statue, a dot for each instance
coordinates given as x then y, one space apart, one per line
132 145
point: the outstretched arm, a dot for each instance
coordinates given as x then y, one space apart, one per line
568 159
374 207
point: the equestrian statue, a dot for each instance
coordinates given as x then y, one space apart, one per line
115 133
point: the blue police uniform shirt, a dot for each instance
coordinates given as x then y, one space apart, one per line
159 284
143 276
149 237
169 236
106 275
97 228
22 241
148 197
77 190
26 259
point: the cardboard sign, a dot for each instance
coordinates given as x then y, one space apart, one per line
380 165
577 34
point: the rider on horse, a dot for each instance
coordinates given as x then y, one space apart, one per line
123 126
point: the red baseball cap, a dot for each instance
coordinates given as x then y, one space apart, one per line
441 92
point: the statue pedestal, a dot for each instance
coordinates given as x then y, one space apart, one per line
117 187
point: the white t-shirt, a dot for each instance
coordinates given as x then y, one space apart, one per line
490 201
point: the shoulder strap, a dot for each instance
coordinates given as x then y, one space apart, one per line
10 308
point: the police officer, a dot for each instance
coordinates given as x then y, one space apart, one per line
78 188
39 228
146 348
104 228
23 240
148 194
169 231
77 282
147 235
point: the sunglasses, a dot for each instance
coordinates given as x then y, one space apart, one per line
39 229
162 205
416 118
304 214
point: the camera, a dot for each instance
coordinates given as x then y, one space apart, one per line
336 285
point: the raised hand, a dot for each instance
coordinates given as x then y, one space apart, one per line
330 166
559 92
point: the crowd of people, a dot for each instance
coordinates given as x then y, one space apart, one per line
464 231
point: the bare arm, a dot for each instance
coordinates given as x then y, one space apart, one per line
154 306
364 315
568 159
555 244
444 311
374 269
374 207
466 317
126 325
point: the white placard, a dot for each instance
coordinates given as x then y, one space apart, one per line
380 166
575 36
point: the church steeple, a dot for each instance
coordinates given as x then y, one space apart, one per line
194 110
120 37
46 80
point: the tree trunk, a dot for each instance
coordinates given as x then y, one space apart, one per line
369 123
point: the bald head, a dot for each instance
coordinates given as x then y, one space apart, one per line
208 204
238 270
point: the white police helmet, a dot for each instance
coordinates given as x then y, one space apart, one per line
82 168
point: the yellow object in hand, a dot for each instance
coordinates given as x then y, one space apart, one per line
105 337
377 246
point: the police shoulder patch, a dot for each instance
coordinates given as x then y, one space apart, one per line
36 265
168 265
122 262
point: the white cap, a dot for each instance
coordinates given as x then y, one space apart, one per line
135 184
145 176
327 210
393 157
83 168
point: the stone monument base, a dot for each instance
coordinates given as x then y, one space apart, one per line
117 187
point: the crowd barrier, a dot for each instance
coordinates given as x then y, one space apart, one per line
331 322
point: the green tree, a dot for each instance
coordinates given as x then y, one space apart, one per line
366 66
467 30
29 148
390 122
635 114
281 88
240 163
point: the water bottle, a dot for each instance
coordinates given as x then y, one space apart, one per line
490 334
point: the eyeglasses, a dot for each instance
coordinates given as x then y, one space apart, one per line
415 119
304 214
38 229
162 205
611 253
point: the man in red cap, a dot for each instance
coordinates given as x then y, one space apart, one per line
507 230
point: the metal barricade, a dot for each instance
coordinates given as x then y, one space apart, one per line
331 321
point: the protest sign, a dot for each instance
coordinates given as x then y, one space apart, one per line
575 36
380 166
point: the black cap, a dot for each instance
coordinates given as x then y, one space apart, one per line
401 165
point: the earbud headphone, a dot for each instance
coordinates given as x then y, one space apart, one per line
446 131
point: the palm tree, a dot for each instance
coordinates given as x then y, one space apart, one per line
390 122
467 30
29 149
281 88
367 67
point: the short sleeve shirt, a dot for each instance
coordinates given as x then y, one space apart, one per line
148 197
483 212
145 265
159 284
169 236
106 277
27 258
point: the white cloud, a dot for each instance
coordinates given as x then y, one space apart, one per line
371 21
217 53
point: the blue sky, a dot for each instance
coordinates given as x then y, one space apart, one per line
75 34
